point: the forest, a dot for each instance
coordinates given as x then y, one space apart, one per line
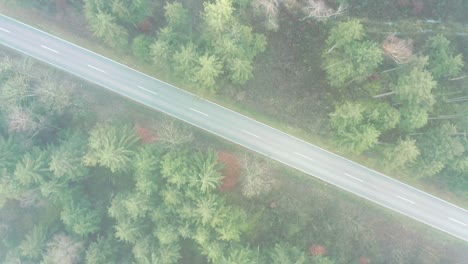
381 82
371 87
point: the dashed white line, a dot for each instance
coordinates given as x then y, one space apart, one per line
97 69
7 31
456 221
305 157
403 198
147 90
252 134
47 48
200 112
351 176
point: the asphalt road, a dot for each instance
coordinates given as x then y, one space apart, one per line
235 127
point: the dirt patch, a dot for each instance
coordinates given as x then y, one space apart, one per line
231 170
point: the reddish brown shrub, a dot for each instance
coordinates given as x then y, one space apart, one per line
145 134
317 250
146 25
403 2
231 170
364 260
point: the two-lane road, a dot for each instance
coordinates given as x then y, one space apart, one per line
235 127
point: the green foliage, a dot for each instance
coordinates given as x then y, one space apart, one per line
344 33
322 260
111 147
241 70
177 16
33 167
413 118
442 61
131 12
185 61
218 17
208 69
213 251
116 209
160 52
128 230
358 139
81 218
207 176
147 169
169 253
33 244
166 234
65 160
350 58
110 20
103 250
416 88
141 47
438 147
176 167
222 46
232 42
105 26
347 114
143 250
403 153
9 153
136 205
382 116
358 126
287 254
231 223
206 208
239 255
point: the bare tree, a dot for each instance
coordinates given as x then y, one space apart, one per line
63 250
400 50
6 64
56 96
30 198
24 120
320 11
171 133
256 177
268 9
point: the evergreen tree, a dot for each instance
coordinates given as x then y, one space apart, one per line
442 61
111 147
103 250
33 245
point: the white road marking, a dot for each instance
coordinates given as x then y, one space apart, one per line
250 133
49 49
147 90
409 201
97 69
351 176
7 31
305 157
456 221
195 110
